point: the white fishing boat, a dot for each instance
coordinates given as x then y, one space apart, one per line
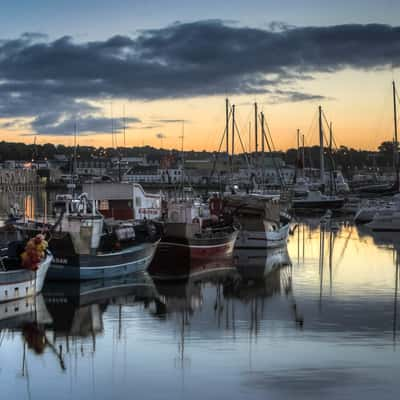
17 282
273 236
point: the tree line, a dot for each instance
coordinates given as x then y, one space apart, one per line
348 159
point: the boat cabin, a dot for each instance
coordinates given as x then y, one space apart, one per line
124 201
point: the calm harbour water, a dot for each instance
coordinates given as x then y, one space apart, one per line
324 326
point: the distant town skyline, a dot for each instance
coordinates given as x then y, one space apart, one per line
144 67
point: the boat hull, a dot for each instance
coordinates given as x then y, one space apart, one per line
320 205
107 265
21 283
178 258
262 239
198 249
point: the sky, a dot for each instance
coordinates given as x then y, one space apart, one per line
144 67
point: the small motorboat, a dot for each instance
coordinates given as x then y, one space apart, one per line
385 221
23 270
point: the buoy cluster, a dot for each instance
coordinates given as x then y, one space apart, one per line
35 251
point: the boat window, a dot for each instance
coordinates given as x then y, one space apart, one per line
104 205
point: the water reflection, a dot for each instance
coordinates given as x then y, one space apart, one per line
318 319
77 308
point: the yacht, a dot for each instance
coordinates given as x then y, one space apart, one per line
368 210
316 200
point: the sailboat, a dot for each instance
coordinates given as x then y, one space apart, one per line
314 198
389 219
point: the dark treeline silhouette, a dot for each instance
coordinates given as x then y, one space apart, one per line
348 159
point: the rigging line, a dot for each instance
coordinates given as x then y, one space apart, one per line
308 134
271 148
237 116
220 145
270 135
215 158
328 126
310 128
243 148
273 158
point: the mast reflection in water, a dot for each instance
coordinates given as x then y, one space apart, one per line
318 319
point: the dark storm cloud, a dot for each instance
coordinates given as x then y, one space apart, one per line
50 124
290 96
181 60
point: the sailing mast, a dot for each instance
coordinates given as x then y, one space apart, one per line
183 158
256 128
321 149
262 150
75 151
396 142
233 136
227 125
332 174
124 120
298 153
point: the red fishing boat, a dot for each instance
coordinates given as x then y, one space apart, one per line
193 230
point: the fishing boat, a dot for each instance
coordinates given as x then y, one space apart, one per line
272 236
85 246
18 277
190 231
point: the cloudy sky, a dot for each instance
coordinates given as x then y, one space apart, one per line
89 63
